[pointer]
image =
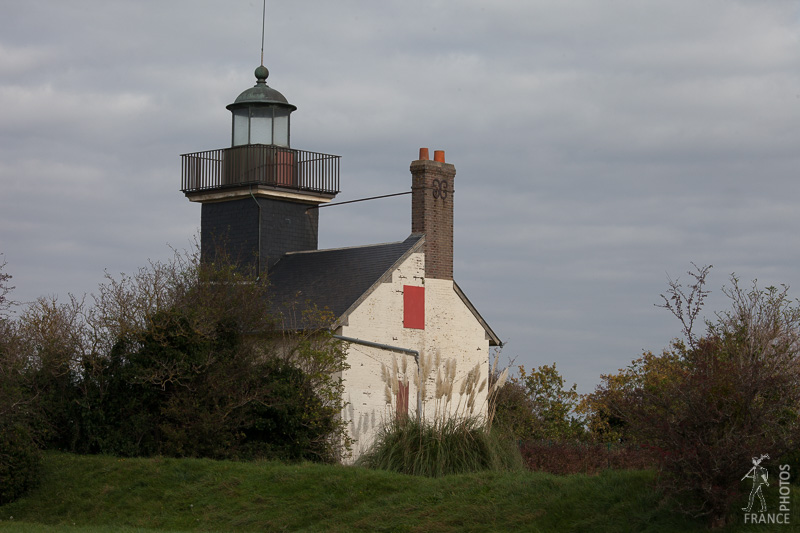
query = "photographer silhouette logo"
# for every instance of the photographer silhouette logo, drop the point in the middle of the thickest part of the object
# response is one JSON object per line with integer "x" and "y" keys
{"x": 760, "y": 476}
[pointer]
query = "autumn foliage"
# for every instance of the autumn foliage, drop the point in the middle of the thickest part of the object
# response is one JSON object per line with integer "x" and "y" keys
{"x": 712, "y": 401}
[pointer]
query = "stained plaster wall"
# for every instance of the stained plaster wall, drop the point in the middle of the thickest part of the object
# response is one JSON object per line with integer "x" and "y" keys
{"x": 451, "y": 330}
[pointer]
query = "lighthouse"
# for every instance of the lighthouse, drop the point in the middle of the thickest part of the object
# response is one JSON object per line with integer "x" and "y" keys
{"x": 256, "y": 194}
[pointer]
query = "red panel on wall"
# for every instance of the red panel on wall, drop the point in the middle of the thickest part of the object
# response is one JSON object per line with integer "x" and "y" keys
{"x": 413, "y": 307}
{"x": 402, "y": 400}
{"x": 284, "y": 168}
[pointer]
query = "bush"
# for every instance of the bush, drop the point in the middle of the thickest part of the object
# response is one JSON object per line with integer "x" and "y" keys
{"x": 19, "y": 452}
{"x": 20, "y": 459}
{"x": 184, "y": 389}
{"x": 296, "y": 424}
{"x": 551, "y": 407}
{"x": 572, "y": 457}
{"x": 513, "y": 410}
{"x": 53, "y": 340}
{"x": 713, "y": 402}
{"x": 181, "y": 359}
{"x": 793, "y": 460}
{"x": 457, "y": 446}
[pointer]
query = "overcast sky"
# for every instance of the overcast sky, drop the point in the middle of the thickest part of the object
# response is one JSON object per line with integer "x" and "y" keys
{"x": 600, "y": 145}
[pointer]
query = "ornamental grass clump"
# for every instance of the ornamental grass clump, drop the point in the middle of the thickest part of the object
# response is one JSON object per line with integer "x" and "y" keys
{"x": 452, "y": 439}
{"x": 458, "y": 446}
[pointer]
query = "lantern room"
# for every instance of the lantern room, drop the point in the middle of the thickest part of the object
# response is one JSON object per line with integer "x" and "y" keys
{"x": 261, "y": 114}
{"x": 260, "y": 161}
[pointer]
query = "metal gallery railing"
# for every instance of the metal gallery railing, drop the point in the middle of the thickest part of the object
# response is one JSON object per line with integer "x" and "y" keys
{"x": 260, "y": 164}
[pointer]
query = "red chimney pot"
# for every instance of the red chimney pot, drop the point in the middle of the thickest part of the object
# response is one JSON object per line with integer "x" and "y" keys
{"x": 423, "y": 154}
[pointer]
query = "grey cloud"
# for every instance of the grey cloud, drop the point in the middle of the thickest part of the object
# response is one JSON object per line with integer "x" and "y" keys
{"x": 598, "y": 145}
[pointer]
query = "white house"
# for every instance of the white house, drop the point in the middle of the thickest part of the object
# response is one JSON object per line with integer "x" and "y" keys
{"x": 396, "y": 303}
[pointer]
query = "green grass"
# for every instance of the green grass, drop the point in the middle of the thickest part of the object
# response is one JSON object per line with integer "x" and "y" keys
{"x": 99, "y": 494}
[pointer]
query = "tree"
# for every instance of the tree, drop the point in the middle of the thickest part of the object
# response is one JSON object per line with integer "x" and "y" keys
{"x": 19, "y": 453}
{"x": 5, "y": 289}
{"x": 537, "y": 406}
{"x": 199, "y": 367}
{"x": 513, "y": 410}
{"x": 713, "y": 401}
{"x": 181, "y": 358}
{"x": 54, "y": 339}
{"x": 553, "y": 405}
{"x": 649, "y": 372}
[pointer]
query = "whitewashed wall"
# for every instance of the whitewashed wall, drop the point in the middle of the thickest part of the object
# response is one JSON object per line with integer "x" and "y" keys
{"x": 450, "y": 329}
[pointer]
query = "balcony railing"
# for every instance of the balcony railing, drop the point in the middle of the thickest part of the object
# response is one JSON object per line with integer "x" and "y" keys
{"x": 260, "y": 164}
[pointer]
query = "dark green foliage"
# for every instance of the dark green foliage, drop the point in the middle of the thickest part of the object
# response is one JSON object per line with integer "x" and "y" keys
{"x": 55, "y": 396}
{"x": 457, "y": 446}
{"x": 553, "y": 405}
{"x": 19, "y": 417}
{"x": 181, "y": 359}
{"x": 20, "y": 459}
{"x": 514, "y": 411}
{"x": 50, "y": 343}
{"x": 19, "y": 452}
{"x": 536, "y": 406}
{"x": 296, "y": 425}
{"x": 792, "y": 459}
{"x": 196, "y": 385}
{"x": 179, "y": 393}
{"x": 114, "y": 413}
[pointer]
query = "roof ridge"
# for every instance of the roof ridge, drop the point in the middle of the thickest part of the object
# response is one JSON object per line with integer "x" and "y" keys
{"x": 350, "y": 247}
{"x": 388, "y": 272}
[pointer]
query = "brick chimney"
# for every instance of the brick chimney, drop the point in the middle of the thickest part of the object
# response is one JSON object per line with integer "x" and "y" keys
{"x": 432, "y": 211}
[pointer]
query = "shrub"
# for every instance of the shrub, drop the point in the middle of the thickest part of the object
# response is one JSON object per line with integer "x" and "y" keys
{"x": 514, "y": 410}
{"x": 573, "y": 457}
{"x": 19, "y": 452}
{"x": 713, "y": 402}
{"x": 296, "y": 424}
{"x": 180, "y": 388}
{"x": 20, "y": 459}
{"x": 552, "y": 406}
{"x": 792, "y": 459}
{"x": 53, "y": 341}
{"x": 181, "y": 359}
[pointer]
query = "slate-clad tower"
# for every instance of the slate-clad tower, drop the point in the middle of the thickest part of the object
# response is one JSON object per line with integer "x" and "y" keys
{"x": 255, "y": 195}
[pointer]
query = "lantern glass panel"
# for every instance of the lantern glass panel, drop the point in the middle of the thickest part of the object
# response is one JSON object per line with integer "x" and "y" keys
{"x": 281, "y": 132}
{"x": 241, "y": 127}
{"x": 261, "y": 125}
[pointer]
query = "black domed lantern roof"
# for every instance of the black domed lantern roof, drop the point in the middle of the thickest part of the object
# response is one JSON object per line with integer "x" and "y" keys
{"x": 261, "y": 114}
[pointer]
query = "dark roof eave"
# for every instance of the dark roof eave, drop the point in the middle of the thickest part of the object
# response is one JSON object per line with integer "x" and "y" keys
{"x": 313, "y": 275}
{"x": 342, "y": 320}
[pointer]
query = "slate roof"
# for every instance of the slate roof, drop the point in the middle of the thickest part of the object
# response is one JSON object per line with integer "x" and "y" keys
{"x": 336, "y": 278}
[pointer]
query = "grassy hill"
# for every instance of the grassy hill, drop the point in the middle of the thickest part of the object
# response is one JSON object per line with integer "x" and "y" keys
{"x": 97, "y": 494}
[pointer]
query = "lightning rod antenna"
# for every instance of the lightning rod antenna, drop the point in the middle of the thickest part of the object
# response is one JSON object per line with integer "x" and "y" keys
{"x": 263, "y": 23}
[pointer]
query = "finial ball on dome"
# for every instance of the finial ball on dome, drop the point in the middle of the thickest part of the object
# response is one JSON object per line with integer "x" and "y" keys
{"x": 262, "y": 73}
